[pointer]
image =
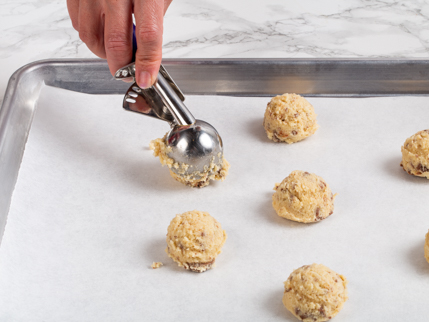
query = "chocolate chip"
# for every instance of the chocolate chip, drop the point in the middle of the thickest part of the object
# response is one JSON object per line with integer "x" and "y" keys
{"x": 322, "y": 311}
{"x": 296, "y": 114}
{"x": 294, "y": 132}
{"x": 422, "y": 168}
{"x": 199, "y": 267}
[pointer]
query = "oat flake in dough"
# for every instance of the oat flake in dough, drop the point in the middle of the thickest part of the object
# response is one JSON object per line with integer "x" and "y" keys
{"x": 289, "y": 118}
{"x": 415, "y": 154}
{"x": 194, "y": 239}
{"x": 303, "y": 197}
{"x": 315, "y": 293}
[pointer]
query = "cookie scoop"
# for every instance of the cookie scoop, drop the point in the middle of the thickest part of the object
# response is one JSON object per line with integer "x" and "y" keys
{"x": 194, "y": 145}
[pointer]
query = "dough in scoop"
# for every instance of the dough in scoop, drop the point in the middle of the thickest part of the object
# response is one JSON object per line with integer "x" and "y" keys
{"x": 289, "y": 118}
{"x": 197, "y": 179}
{"x": 315, "y": 293}
{"x": 194, "y": 239}
{"x": 303, "y": 197}
{"x": 415, "y": 154}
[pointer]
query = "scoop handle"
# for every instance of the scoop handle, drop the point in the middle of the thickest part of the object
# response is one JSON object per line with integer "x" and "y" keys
{"x": 170, "y": 94}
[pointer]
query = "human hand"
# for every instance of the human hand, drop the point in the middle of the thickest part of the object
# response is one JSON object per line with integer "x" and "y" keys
{"x": 106, "y": 27}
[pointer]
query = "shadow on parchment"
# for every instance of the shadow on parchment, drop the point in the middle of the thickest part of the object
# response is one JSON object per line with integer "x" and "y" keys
{"x": 150, "y": 175}
{"x": 275, "y": 307}
{"x": 416, "y": 257}
{"x": 392, "y": 167}
{"x": 64, "y": 129}
{"x": 255, "y": 129}
{"x": 155, "y": 251}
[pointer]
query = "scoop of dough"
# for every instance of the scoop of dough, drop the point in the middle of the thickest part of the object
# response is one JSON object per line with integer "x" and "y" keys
{"x": 315, "y": 293}
{"x": 197, "y": 179}
{"x": 303, "y": 197}
{"x": 427, "y": 247}
{"x": 289, "y": 118}
{"x": 415, "y": 154}
{"x": 194, "y": 239}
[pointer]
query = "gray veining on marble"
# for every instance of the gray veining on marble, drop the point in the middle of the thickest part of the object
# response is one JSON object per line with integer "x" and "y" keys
{"x": 38, "y": 29}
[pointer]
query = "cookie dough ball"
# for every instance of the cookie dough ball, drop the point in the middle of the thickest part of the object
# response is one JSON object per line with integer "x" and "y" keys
{"x": 197, "y": 179}
{"x": 194, "y": 239}
{"x": 415, "y": 154}
{"x": 303, "y": 197}
{"x": 427, "y": 247}
{"x": 315, "y": 293}
{"x": 289, "y": 118}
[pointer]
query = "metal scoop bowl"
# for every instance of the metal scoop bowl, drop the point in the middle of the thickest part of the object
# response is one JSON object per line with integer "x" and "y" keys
{"x": 192, "y": 142}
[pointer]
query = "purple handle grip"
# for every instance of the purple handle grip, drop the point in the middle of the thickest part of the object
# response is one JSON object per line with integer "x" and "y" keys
{"x": 134, "y": 43}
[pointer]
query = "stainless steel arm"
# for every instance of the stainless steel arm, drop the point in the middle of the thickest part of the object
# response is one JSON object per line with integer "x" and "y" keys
{"x": 163, "y": 100}
{"x": 172, "y": 101}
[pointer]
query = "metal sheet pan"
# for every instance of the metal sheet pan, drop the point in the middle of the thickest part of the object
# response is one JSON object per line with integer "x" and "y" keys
{"x": 384, "y": 250}
{"x": 238, "y": 77}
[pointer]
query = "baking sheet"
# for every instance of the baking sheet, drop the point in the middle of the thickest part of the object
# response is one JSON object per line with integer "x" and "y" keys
{"x": 91, "y": 208}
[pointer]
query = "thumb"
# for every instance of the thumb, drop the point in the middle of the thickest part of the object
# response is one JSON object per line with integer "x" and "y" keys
{"x": 149, "y": 19}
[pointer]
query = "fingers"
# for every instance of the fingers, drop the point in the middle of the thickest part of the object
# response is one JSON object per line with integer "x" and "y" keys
{"x": 91, "y": 26}
{"x": 166, "y": 5}
{"x": 118, "y": 34}
{"x": 73, "y": 9}
{"x": 149, "y": 18}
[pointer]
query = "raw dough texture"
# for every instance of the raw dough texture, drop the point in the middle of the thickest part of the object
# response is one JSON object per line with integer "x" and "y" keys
{"x": 289, "y": 118}
{"x": 156, "y": 265}
{"x": 427, "y": 247}
{"x": 194, "y": 239}
{"x": 315, "y": 293}
{"x": 415, "y": 154}
{"x": 303, "y": 197}
{"x": 161, "y": 150}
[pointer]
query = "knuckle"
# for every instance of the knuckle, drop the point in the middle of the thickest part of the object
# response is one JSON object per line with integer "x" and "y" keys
{"x": 75, "y": 24}
{"x": 150, "y": 34}
{"x": 148, "y": 59}
{"x": 117, "y": 42}
{"x": 91, "y": 39}
{"x": 86, "y": 36}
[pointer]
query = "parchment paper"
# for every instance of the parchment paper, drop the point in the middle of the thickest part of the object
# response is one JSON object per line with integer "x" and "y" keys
{"x": 91, "y": 208}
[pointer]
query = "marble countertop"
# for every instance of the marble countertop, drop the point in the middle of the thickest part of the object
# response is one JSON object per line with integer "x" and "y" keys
{"x": 31, "y": 30}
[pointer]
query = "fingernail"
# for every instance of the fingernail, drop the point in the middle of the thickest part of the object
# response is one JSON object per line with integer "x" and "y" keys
{"x": 144, "y": 80}
{"x": 128, "y": 80}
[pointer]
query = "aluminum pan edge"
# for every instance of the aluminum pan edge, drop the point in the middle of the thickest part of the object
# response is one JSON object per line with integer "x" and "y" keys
{"x": 240, "y": 77}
